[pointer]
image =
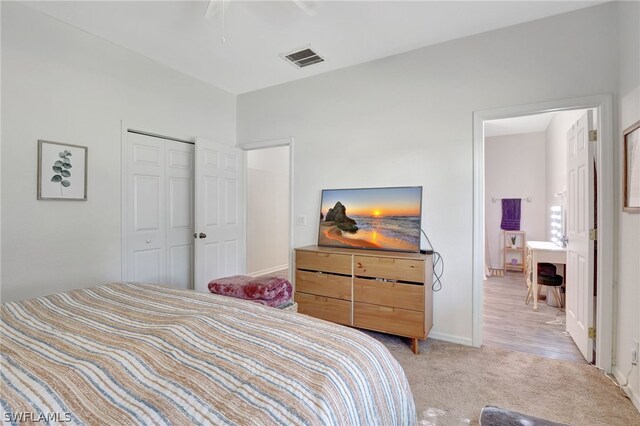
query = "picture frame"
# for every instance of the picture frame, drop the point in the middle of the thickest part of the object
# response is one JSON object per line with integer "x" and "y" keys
{"x": 62, "y": 171}
{"x": 631, "y": 165}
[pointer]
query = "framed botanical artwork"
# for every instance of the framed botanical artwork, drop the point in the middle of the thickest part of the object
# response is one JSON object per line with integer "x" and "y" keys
{"x": 62, "y": 171}
{"x": 631, "y": 195}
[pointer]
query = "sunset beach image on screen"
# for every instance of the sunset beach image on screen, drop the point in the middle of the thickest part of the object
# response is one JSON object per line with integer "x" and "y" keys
{"x": 371, "y": 218}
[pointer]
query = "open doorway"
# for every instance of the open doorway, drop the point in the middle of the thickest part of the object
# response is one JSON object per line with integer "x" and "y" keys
{"x": 268, "y": 220}
{"x": 591, "y": 325}
{"x": 526, "y": 211}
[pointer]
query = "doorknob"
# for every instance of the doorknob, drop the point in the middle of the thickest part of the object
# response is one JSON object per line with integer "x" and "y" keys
{"x": 202, "y": 235}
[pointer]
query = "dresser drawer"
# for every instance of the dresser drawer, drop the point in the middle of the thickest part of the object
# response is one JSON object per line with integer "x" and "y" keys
{"x": 397, "y": 295}
{"x": 325, "y": 262}
{"x": 389, "y": 268}
{"x": 397, "y": 321}
{"x": 325, "y": 308}
{"x": 324, "y": 284}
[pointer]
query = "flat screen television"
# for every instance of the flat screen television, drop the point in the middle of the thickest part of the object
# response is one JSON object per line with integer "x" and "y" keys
{"x": 371, "y": 218}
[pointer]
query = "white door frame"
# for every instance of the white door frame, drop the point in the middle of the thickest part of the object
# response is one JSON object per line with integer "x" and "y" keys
{"x": 604, "y": 151}
{"x": 125, "y": 127}
{"x": 270, "y": 143}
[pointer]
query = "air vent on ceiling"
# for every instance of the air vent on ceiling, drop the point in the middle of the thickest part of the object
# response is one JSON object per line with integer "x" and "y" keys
{"x": 302, "y": 57}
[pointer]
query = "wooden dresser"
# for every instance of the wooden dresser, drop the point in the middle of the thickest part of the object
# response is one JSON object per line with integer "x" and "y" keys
{"x": 383, "y": 291}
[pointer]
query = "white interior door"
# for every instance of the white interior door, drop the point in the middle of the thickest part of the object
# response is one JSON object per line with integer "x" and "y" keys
{"x": 219, "y": 247}
{"x": 580, "y": 220}
{"x": 179, "y": 213}
{"x": 159, "y": 211}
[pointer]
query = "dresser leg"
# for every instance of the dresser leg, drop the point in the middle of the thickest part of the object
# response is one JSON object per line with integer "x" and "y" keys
{"x": 415, "y": 347}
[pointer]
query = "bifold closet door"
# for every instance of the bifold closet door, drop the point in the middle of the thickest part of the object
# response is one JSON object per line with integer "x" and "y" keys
{"x": 159, "y": 211}
{"x": 179, "y": 214}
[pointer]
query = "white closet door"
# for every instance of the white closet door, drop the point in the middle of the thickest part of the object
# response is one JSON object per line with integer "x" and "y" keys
{"x": 179, "y": 214}
{"x": 219, "y": 247}
{"x": 159, "y": 211}
{"x": 145, "y": 210}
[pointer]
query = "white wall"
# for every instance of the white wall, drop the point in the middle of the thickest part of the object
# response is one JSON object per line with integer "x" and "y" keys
{"x": 628, "y": 247}
{"x": 407, "y": 120}
{"x": 62, "y": 84}
{"x": 556, "y": 159}
{"x": 267, "y": 210}
{"x": 514, "y": 168}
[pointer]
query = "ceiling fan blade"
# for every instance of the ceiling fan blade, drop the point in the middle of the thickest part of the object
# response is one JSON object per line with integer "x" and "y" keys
{"x": 215, "y": 7}
{"x": 310, "y": 7}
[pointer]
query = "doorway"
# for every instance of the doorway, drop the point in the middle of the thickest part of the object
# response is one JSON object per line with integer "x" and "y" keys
{"x": 602, "y": 307}
{"x": 268, "y": 218}
{"x": 525, "y": 206}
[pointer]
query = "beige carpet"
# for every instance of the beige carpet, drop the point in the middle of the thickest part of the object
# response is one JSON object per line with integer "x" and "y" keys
{"x": 451, "y": 383}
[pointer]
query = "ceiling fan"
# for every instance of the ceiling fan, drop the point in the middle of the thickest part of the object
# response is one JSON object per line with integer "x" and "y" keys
{"x": 215, "y": 7}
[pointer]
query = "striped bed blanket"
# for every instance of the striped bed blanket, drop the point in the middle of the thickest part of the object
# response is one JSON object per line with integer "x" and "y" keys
{"x": 130, "y": 353}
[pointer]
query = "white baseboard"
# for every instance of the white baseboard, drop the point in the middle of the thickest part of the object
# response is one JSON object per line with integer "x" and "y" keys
{"x": 268, "y": 270}
{"x": 631, "y": 393}
{"x": 467, "y": 341}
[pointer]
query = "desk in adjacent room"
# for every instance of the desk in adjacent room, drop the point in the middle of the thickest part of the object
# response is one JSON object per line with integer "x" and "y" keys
{"x": 537, "y": 252}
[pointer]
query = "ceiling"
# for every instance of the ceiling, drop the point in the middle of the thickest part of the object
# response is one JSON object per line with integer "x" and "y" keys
{"x": 345, "y": 33}
{"x": 518, "y": 125}
{"x": 526, "y": 124}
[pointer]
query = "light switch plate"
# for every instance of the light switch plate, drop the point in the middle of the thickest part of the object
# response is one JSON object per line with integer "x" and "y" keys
{"x": 301, "y": 220}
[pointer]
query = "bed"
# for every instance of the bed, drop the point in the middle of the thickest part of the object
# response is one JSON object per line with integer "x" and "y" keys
{"x": 130, "y": 353}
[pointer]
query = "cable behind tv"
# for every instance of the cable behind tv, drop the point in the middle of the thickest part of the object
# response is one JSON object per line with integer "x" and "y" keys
{"x": 438, "y": 265}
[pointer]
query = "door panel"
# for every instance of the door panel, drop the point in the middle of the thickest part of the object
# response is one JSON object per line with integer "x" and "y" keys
{"x": 211, "y": 157}
{"x": 179, "y": 158}
{"x": 217, "y": 187}
{"x": 180, "y": 203}
{"x": 145, "y": 213}
{"x": 580, "y": 248}
{"x": 212, "y": 191}
{"x": 147, "y": 196}
{"x": 231, "y": 162}
{"x": 231, "y": 194}
{"x": 180, "y": 263}
{"x": 146, "y": 152}
{"x": 180, "y": 221}
{"x": 231, "y": 257}
{"x": 583, "y": 197}
{"x": 147, "y": 266}
{"x": 211, "y": 260}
